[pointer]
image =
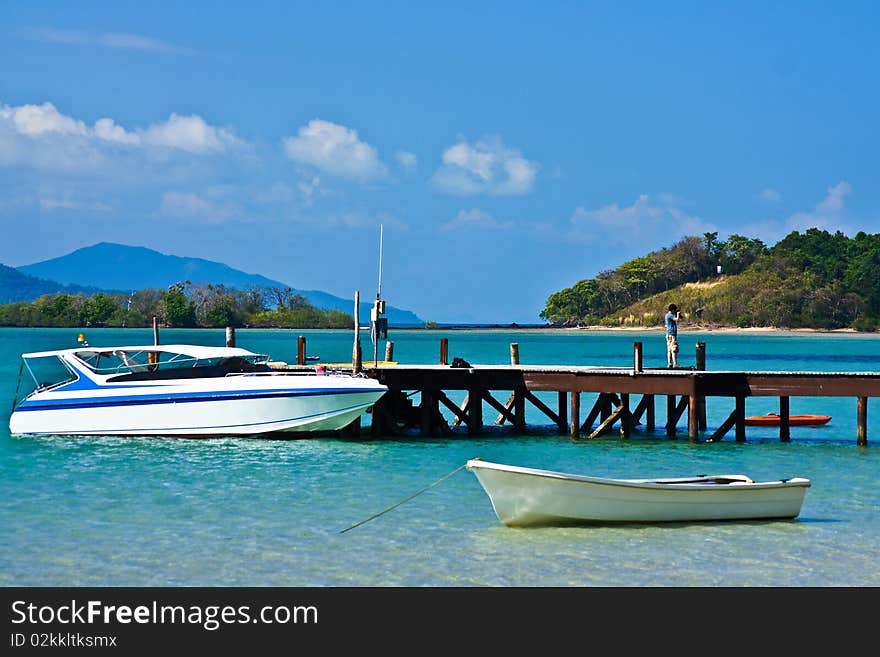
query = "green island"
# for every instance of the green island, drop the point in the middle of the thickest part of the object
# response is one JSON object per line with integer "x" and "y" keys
{"x": 810, "y": 280}
{"x": 182, "y": 305}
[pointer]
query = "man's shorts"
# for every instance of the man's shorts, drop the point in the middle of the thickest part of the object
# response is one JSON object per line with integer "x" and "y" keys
{"x": 672, "y": 343}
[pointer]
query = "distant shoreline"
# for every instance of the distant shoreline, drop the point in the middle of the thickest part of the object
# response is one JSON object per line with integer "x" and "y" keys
{"x": 683, "y": 328}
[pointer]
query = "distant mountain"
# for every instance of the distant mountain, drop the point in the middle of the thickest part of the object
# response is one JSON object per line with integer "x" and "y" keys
{"x": 18, "y": 286}
{"x": 136, "y": 267}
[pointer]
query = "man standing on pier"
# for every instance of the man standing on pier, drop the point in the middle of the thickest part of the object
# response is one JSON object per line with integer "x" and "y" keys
{"x": 672, "y": 318}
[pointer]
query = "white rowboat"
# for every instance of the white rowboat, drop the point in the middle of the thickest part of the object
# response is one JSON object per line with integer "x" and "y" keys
{"x": 525, "y": 497}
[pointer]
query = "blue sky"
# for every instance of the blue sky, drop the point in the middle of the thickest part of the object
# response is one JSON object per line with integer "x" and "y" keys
{"x": 509, "y": 149}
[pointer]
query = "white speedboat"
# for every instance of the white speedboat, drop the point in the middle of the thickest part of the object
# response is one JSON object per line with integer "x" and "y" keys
{"x": 526, "y": 496}
{"x": 181, "y": 390}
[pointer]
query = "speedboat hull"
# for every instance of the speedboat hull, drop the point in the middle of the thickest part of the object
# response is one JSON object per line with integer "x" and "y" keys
{"x": 190, "y": 401}
{"x": 524, "y": 497}
{"x": 246, "y": 413}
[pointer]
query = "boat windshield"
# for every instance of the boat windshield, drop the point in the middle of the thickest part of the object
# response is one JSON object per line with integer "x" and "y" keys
{"x": 48, "y": 371}
{"x": 123, "y": 361}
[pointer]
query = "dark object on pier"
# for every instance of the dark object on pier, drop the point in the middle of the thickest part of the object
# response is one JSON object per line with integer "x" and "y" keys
{"x": 459, "y": 362}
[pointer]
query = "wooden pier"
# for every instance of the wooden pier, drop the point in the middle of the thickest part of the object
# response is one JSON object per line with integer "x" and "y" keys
{"x": 622, "y": 397}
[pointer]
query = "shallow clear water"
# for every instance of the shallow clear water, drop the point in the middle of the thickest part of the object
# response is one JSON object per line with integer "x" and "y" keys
{"x": 244, "y": 512}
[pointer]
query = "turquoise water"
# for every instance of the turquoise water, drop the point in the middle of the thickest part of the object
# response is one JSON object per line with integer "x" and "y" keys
{"x": 244, "y": 512}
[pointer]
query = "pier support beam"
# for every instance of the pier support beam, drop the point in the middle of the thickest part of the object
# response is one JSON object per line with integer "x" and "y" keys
{"x": 475, "y": 411}
{"x": 784, "y": 424}
{"x": 701, "y": 401}
{"x": 562, "y": 399}
{"x": 693, "y": 418}
{"x": 575, "y": 415}
{"x": 740, "y": 419}
{"x": 862, "y": 422}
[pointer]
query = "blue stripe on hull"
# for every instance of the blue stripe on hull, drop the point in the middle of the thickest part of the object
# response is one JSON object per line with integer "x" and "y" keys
{"x": 184, "y": 398}
{"x": 219, "y": 427}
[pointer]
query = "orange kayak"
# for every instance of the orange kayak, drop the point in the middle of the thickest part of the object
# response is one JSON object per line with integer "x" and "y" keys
{"x": 772, "y": 420}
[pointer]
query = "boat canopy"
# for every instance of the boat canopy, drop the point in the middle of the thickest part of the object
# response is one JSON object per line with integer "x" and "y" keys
{"x": 192, "y": 351}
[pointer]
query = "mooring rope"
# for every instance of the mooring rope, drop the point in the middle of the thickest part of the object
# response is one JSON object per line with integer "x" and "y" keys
{"x": 390, "y": 508}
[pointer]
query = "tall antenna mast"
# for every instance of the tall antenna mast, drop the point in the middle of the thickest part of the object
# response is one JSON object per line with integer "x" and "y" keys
{"x": 379, "y": 293}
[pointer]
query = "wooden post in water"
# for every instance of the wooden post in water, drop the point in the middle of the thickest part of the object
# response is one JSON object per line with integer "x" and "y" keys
{"x": 574, "y": 420}
{"x": 301, "y": 350}
{"x": 784, "y": 425}
{"x": 514, "y": 353}
{"x": 444, "y": 351}
{"x": 740, "y": 419}
{"x": 862, "y": 423}
{"x": 356, "y": 347}
{"x": 701, "y": 401}
{"x": 670, "y": 415}
{"x": 475, "y": 411}
{"x": 693, "y": 419}
{"x": 155, "y": 330}
{"x": 637, "y": 357}
{"x": 563, "y": 410}
{"x": 625, "y": 416}
{"x": 230, "y": 336}
{"x": 389, "y": 351}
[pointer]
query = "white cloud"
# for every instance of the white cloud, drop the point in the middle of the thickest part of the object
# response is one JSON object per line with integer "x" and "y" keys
{"x": 486, "y": 167}
{"x": 475, "y": 218}
{"x": 334, "y": 149}
{"x": 33, "y": 120}
{"x": 117, "y": 40}
{"x": 189, "y": 133}
{"x": 108, "y": 130}
{"x": 829, "y": 214}
{"x": 42, "y": 137}
{"x": 407, "y": 160}
{"x": 642, "y": 221}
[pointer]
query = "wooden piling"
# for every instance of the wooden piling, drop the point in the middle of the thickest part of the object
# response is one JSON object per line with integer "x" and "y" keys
{"x": 475, "y": 411}
{"x": 862, "y": 422}
{"x": 740, "y": 419}
{"x": 444, "y": 351}
{"x": 575, "y": 415}
{"x": 649, "y": 413}
{"x": 562, "y": 405}
{"x": 155, "y": 330}
{"x": 784, "y": 423}
{"x": 514, "y": 353}
{"x": 693, "y": 419}
{"x": 701, "y": 401}
{"x": 625, "y": 421}
{"x": 637, "y": 357}
{"x": 301, "y": 350}
{"x": 389, "y": 351}
{"x": 230, "y": 336}
{"x": 671, "y": 417}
